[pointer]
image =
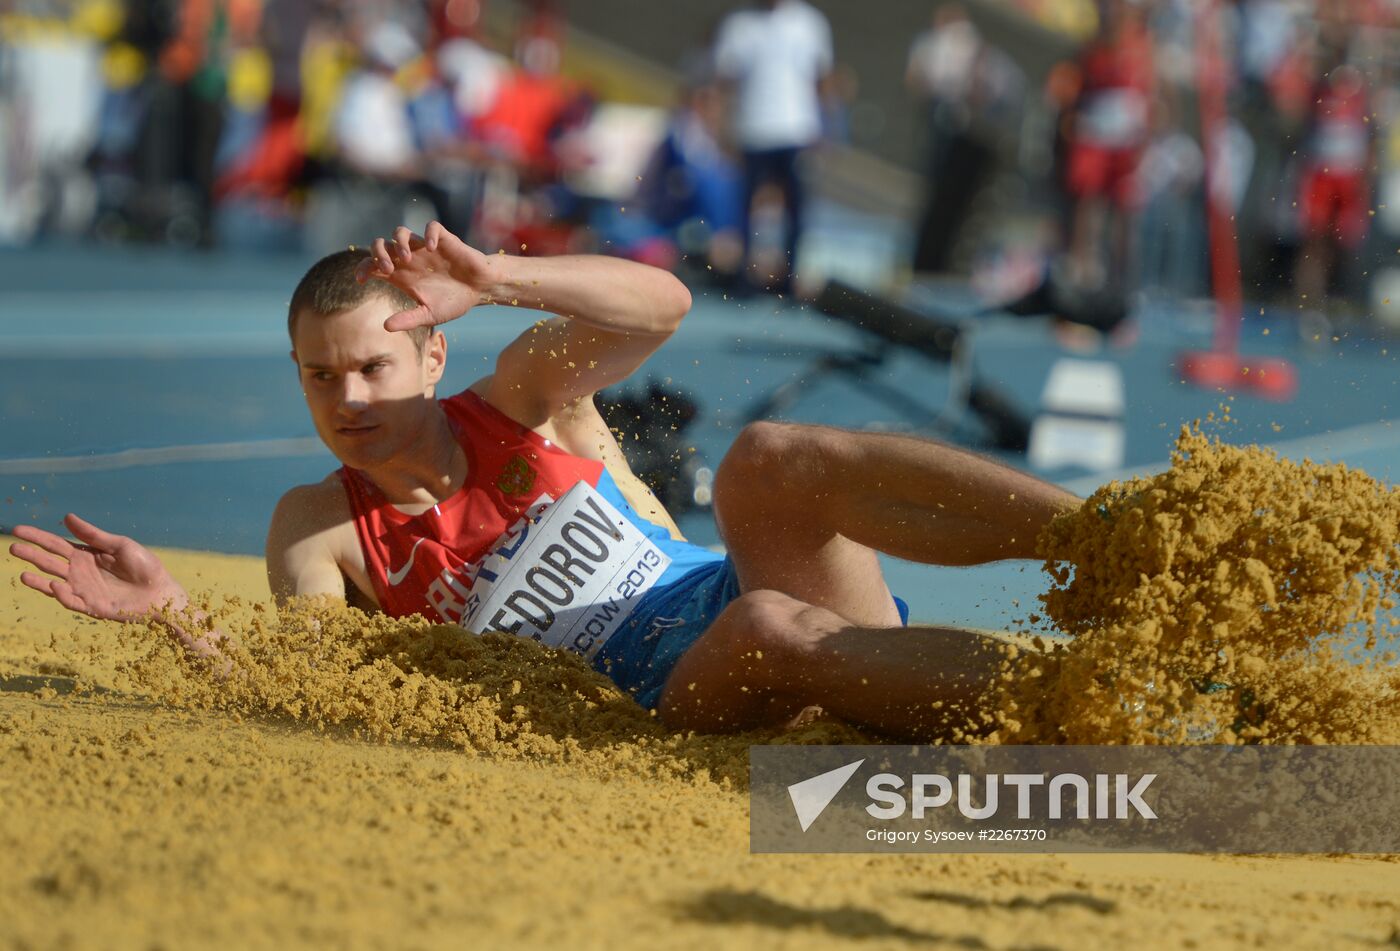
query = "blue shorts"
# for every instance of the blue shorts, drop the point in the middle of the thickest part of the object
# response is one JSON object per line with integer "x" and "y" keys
{"x": 664, "y": 625}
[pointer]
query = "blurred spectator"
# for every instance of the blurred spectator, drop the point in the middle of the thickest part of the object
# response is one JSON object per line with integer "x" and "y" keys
{"x": 941, "y": 64}
{"x": 1267, "y": 35}
{"x": 328, "y": 59}
{"x": 942, "y": 71}
{"x": 972, "y": 95}
{"x": 372, "y": 126}
{"x": 525, "y": 135}
{"x": 187, "y": 116}
{"x": 1172, "y": 25}
{"x": 1171, "y": 234}
{"x": 539, "y": 41}
{"x": 692, "y": 190}
{"x": 282, "y": 33}
{"x": 1058, "y": 96}
{"x": 398, "y": 124}
{"x": 1109, "y": 133}
{"x": 1274, "y": 85}
{"x": 526, "y": 116}
{"x": 838, "y": 94}
{"x": 473, "y": 73}
{"x": 1334, "y": 194}
{"x": 452, "y": 20}
{"x": 260, "y": 156}
{"x": 775, "y": 55}
{"x": 166, "y": 75}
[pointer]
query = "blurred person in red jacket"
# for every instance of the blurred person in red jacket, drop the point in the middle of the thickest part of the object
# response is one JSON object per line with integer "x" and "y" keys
{"x": 1107, "y": 136}
{"x": 1334, "y": 190}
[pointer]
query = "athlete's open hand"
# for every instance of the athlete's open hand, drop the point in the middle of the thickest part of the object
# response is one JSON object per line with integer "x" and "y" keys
{"x": 442, "y": 272}
{"x": 105, "y": 576}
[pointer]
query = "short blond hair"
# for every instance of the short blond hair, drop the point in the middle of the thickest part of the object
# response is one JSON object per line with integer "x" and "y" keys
{"x": 330, "y": 288}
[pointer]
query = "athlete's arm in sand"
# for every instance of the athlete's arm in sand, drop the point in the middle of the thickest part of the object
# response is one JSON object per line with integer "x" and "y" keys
{"x": 300, "y": 562}
{"x": 613, "y": 314}
{"x": 312, "y": 549}
{"x": 110, "y": 578}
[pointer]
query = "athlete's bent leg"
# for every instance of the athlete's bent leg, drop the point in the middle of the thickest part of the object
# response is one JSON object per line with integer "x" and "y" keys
{"x": 802, "y": 509}
{"x": 768, "y": 656}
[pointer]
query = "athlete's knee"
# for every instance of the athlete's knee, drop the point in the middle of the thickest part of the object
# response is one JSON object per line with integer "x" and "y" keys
{"x": 758, "y": 446}
{"x": 762, "y": 633}
{"x": 756, "y": 620}
{"x": 765, "y": 463}
{"x": 729, "y": 679}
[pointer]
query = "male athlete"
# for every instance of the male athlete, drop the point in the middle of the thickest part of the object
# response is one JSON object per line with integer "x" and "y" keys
{"x": 797, "y": 614}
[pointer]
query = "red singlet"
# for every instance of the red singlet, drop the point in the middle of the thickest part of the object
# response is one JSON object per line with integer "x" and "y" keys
{"x": 416, "y": 562}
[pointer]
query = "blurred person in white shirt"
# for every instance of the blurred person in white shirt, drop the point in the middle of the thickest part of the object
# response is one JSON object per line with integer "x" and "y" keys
{"x": 775, "y": 56}
{"x": 372, "y": 125}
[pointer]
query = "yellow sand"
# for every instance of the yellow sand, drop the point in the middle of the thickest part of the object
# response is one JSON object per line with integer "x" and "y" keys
{"x": 361, "y": 782}
{"x": 1235, "y": 597}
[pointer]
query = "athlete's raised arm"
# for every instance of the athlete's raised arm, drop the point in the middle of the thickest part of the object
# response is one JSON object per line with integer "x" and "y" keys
{"x": 613, "y": 314}
{"x": 105, "y": 576}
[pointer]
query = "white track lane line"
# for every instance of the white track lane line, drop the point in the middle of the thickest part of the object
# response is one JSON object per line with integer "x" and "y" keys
{"x": 164, "y": 455}
{"x": 1384, "y": 434}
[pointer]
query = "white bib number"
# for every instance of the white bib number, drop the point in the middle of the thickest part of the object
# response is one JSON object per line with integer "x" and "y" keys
{"x": 567, "y": 574}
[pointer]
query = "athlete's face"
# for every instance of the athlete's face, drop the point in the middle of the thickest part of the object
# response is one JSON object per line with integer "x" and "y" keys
{"x": 370, "y": 391}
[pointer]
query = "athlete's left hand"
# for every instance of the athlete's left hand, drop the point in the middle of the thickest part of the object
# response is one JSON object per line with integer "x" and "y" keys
{"x": 445, "y": 275}
{"x": 105, "y": 576}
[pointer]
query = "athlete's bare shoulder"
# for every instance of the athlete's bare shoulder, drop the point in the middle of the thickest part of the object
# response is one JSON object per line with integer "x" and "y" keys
{"x": 311, "y": 541}
{"x": 316, "y": 508}
{"x": 317, "y": 502}
{"x": 577, "y": 427}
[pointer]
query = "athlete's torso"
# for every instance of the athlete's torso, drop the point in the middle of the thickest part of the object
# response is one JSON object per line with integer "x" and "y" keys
{"x": 425, "y": 563}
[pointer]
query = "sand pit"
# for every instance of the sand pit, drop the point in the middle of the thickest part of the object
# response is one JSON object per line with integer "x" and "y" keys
{"x": 365, "y": 782}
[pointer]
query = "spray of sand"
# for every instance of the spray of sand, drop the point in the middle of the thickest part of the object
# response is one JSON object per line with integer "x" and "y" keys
{"x": 332, "y": 667}
{"x": 1235, "y": 598}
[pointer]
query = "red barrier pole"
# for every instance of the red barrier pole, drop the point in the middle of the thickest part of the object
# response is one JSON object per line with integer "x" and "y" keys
{"x": 1224, "y": 242}
{"x": 1222, "y": 367}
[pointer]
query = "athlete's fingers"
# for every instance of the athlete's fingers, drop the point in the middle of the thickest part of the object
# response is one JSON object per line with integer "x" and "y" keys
{"x": 41, "y": 559}
{"x": 403, "y": 237}
{"x": 90, "y": 534}
{"x": 40, "y": 583}
{"x": 48, "y": 541}
{"x": 382, "y": 258}
{"x": 433, "y": 234}
{"x": 64, "y": 595}
{"x": 419, "y": 316}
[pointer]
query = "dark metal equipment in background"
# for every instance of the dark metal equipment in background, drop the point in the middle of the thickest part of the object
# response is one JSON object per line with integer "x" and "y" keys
{"x": 1101, "y": 309}
{"x": 892, "y": 326}
{"x": 650, "y": 427}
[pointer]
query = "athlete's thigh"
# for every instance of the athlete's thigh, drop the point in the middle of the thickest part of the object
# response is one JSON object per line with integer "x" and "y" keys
{"x": 777, "y": 525}
{"x": 832, "y": 572}
{"x": 720, "y": 684}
